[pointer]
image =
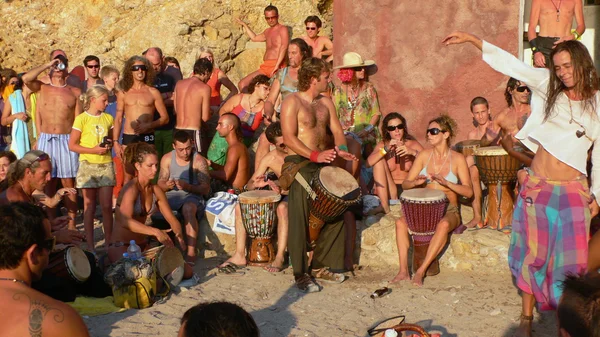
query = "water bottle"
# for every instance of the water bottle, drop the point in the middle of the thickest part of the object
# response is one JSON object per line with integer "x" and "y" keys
{"x": 390, "y": 333}
{"x": 125, "y": 256}
{"x": 134, "y": 251}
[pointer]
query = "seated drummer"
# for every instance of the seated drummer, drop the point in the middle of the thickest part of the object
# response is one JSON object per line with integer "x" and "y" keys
{"x": 271, "y": 161}
{"x": 25, "y": 245}
{"x": 139, "y": 199}
{"x": 438, "y": 168}
{"x": 184, "y": 177}
{"x": 236, "y": 171}
{"x": 27, "y": 175}
{"x": 390, "y": 173}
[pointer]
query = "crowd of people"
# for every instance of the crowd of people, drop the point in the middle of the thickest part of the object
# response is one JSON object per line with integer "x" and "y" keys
{"x": 146, "y": 143}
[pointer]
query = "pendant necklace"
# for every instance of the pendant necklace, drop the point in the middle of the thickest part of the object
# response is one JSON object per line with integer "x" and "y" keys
{"x": 578, "y": 133}
{"x": 557, "y": 9}
{"x": 14, "y": 280}
{"x": 443, "y": 163}
{"x": 58, "y": 86}
{"x": 353, "y": 97}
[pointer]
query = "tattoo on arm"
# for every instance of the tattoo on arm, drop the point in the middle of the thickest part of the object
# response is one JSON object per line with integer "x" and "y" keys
{"x": 202, "y": 175}
{"x": 163, "y": 175}
{"x": 37, "y": 312}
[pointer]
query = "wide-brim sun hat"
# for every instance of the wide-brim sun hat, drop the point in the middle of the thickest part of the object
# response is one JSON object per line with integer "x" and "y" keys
{"x": 354, "y": 60}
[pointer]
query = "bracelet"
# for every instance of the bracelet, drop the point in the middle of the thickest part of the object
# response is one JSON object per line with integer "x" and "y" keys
{"x": 343, "y": 148}
{"x": 533, "y": 44}
{"x": 314, "y": 155}
{"x": 383, "y": 152}
{"x": 387, "y": 149}
{"x": 577, "y": 35}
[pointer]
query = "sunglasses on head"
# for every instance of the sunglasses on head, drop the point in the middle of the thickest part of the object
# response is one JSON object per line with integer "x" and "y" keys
{"x": 95, "y": 66}
{"x": 48, "y": 244}
{"x": 42, "y": 157}
{"x": 311, "y": 28}
{"x": 391, "y": 128}
{"x": 434, "y": 131}
{"x": 523, "y": 88}
{"x": 138, "y": 67}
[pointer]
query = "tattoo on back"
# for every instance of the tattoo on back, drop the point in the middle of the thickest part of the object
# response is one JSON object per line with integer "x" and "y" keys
{"x": 37, "y": 312}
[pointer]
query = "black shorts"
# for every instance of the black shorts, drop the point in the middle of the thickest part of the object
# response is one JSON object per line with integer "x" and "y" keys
{"x": 195, "y": 135}
{"x": 145, "y": 138}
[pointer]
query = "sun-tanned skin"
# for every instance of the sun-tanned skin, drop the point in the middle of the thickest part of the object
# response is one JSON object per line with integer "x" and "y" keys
{"x": 57, "y": 106}
{"x": 321, "y": 45}
{"x": 192, "y": 102}
{"x": 237, "y": 165}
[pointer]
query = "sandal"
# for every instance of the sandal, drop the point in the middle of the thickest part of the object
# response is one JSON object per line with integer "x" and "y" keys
{"x": 229, "y": 268}
{"x": 327, "y": 276}
{"x": 307, "y": 284}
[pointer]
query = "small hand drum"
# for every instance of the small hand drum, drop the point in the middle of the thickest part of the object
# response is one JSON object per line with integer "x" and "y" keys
{"x": 70, "y": 264}
{"x": 167, "y": 261}
{"x": 259, "y": 211}
{"x": 468, "y": 147}
{"x": 423, "y": 209}
{"x": 498, "y": 171}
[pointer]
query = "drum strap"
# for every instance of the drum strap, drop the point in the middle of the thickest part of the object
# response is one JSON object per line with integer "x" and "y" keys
{"x": 306, "y": 186}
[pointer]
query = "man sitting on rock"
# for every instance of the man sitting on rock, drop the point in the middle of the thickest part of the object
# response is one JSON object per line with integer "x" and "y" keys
{"x": 184, "y": 177}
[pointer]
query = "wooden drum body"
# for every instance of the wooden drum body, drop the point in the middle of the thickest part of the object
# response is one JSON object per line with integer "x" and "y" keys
{"x": 167, "y": 261}
{"x": 70, "y": 264}
{"x": 498, "y": 171}
{"x": 259, "y": 211}
{"x": 468, "y": 147}
{"x": 423, "y": 209}
{"x": 335, "y": 190}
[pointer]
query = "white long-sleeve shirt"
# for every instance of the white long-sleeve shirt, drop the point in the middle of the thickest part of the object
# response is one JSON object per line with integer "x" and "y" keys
{"x": 556, "y": 134}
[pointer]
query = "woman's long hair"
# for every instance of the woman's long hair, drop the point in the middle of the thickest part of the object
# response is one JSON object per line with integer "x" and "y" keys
{"x": 584, "y": 73}
{"x": 387, "y": 119}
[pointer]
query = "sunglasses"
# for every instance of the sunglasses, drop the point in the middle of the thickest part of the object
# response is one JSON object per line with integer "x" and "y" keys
{"x": 391, "y": 128}
{"x": 93, "y": 66}
{"x": 523, "y": 88}
{"x": 271, "y": 17}
{"x": 42, "y": 157}
{"x": 311, "y": 28}
{"x": 49, "y": 244}
{"x": 138, "y": 67}
{"x": 434, "y": 131}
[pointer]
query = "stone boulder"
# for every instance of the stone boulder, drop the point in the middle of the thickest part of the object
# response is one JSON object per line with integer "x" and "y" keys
{"x": 214, "y": 243}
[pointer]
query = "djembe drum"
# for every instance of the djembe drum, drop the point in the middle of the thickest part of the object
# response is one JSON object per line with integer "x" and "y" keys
{"x": 259, "y": 211}
{"x": 423, "y": 208}
{"x": 335, "y": 191}
{"x": 167, "y": 261}
{"x": 498, "y": 171}
{"x": 468, "y": 147}
{"x": 70, "y": 264}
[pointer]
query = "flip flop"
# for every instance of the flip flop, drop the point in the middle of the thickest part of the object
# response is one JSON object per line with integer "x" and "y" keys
{"x": 273, "y": 269}
{"x": 231, "y": 268}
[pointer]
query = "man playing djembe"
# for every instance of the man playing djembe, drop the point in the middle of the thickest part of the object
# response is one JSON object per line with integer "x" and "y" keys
{"x": 305, "y": 117}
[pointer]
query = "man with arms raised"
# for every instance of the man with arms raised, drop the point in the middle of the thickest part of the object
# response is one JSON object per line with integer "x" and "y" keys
{"x": 25, "y": 245}
{"x": 136, "y": 105}
{"x": 57, "y": 106}
{"x": 305, "y": 118}
{"x": 551, "y": 220}
{"x": 277, "y": 38}
{"x": 322, "y": 47}
{"x": 184, "y": 177}
{"x": 72, "y": 80}
{"x": 271, "y": 161}
{"x": 555, "y": 18}
{"x": 236, "y": 171}
{"x": 192, "y": 102}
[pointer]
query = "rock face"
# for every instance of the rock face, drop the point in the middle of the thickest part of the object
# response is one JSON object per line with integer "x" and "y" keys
{"x": 115, "y": 30}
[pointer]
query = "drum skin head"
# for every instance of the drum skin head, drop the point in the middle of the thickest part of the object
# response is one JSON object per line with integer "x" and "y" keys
{"x": 423, "y": 194}
{"x": 259, "y": 197}
{"x": 491, "y": 151}
{"x": 468, "y": 142}
{"x": 337, "y": 181}
{"x": 78, "y": 263}
{"x": 169, "y": 259}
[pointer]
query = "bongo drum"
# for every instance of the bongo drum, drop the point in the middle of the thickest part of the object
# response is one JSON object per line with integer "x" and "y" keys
{"x": 498, "y": 171}
{"x": 259, "y": 211}
{"x": 468, "y": 147}
{"x": 70, "y": 264}
{"x": 335, "y": 191}
{"x": 167, "y": 261}
{"x": 423, "y": 209}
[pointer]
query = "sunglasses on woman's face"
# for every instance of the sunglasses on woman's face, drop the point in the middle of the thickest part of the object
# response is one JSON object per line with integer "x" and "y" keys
{"x": 434, "y": 131}
{"x": 523, "y": 88}
{"x": 391, "y": 128}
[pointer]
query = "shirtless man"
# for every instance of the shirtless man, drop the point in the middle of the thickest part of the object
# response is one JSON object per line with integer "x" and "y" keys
{"x": 305, "y": 117}
{"x": 555, "y": 19}
{"x": 72, "y": 80}
{"x": 25, "y": 245}
{"x": 322, "y": 47}
{"x": 277, "y": 38}
{"x": 57, "y": 106}
{"x": 136, "y": 104}
{"x": 481, "y": 116}
{"x": 271, "y": 161}
{"x": 92, "y": 68}
{"x": 192, "y": 102}
{"x": 236, "y": 171}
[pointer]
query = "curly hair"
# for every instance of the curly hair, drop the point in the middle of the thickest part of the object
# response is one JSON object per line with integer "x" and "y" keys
{"x": 584, "y": 73}
{"x": 387, "y": 119}
{"x": 311, "y": 68}
{"x": 22, "y": 226}
{"x": 127, "y": 81}
{"x": 260, "y": 79}
{"x": 305, "y": 49}
{"x": 511, "y": 85}
{"x": 448, "y": 124}
{"x": 137, "y": 152}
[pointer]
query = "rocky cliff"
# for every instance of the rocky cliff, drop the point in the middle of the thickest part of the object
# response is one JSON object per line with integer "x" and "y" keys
{"x": 114, "y": 30}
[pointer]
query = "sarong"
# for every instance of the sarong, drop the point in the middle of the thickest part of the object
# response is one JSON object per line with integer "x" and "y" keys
{"x": 550, "y": 232}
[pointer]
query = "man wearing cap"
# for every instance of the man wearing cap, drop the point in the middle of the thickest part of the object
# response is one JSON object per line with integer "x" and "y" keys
{"x": 277, "y": 38}
{"x": 57, "y": 106}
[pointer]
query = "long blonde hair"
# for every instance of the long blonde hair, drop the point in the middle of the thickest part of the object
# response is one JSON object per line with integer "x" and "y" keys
{"x": 93, "y": 92}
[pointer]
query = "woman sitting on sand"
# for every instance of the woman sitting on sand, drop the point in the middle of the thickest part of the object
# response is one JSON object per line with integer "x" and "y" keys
{"x": 399, "y": 149}
{"x": 139, "y": 199}
{"x": 442, "y": 169}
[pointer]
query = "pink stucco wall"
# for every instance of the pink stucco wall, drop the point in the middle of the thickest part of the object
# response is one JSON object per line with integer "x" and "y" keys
{"x": 416, "y": 75}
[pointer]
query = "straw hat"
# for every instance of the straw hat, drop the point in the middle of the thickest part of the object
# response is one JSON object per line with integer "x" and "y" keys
{"x": 353, "y": 60}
